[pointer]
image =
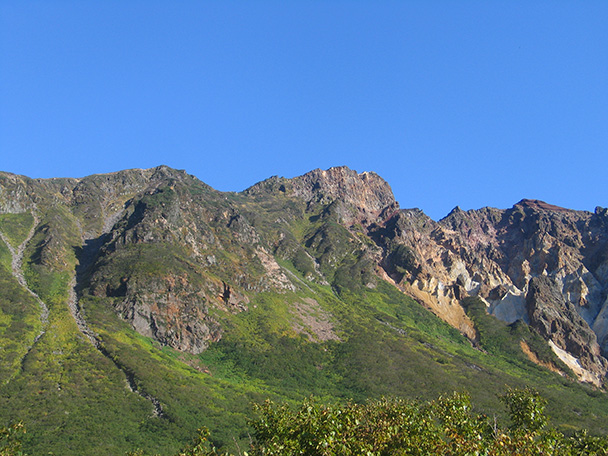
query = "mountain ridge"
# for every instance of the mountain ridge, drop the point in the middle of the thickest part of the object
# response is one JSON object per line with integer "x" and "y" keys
{"x": 363, "y": 199}
{"x": 303, "y": 265}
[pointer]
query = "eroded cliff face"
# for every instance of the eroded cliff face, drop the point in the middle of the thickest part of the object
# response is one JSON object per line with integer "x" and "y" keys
{"x": 168, "y": 309}
{"x": 179, "y": 252}
{"x": 354, "y": 198}
{"x": 558, "y": 321}
{"x": 426, "y": 265}
{"x": 363, "y": 197}
{"x": 498, "y": 255}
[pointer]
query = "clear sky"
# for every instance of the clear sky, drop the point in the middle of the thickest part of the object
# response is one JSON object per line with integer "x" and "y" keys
{"x": 469, "y": 103}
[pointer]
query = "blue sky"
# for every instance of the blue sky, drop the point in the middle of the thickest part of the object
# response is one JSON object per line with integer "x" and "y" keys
{"x": 469, "y": 103}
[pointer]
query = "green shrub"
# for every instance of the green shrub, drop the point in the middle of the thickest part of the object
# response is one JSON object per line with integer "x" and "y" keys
{"x": 10, "y": 439}
{"x": 446, "y": 426}
{"x": 526, "y": 409}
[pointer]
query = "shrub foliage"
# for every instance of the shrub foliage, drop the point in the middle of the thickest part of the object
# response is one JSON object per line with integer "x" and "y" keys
{"x": 395, "y": 427}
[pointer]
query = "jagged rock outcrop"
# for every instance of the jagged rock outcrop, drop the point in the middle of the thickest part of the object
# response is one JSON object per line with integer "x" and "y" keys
{"x": 363, "y": 197}
{"x": 558, "y": 321}
{"x": 495, "y": 254}
{"x": 426, "y": 265}
{"x": 358, "y": 197}
{"x": 167, "y": 309}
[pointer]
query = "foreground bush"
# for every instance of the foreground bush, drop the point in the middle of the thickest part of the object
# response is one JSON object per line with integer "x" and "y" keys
{"x": 446, "y": 426}
{"x": 395, "y": 427}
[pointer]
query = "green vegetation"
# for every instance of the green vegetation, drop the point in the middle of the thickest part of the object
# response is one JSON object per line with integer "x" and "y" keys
{"x": 303, "y": 262}
{"x": 445, "y": 426}
{"x": 189, "y": 397}
{"x": 64, "y": 387}
{"x": 16, "y": 227}
{"x": 448, "y": 425}
{"x": 19, "y": 319}
{"x": 5, "y": 258}
{"x": 10, "y": 439}
{"x": 19, "y": 325}
{"x": 143, "y": 261}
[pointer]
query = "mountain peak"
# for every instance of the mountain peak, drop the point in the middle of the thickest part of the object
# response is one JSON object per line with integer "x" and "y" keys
{"x": 455, "y": 211}
{"x": 366, "y": 194}
{"x": 540, "y": 205}
{"x": 366, "y": 189}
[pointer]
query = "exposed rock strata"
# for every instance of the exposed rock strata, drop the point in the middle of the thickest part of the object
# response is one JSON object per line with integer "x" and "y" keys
{"x": 558, "y": 321}
{"x": 168, "y": 310}
{"x": 496, "y": 254}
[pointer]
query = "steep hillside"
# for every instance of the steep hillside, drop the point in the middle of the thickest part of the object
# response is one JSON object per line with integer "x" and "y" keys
{"x": 144, "y": 304}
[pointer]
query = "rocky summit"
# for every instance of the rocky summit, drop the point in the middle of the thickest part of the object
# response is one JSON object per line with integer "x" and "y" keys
{"x": 152, "y": 279}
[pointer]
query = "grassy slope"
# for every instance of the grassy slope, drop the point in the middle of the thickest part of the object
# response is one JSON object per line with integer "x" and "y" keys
{"x": 73, "y": 399}
{"x": 19, "y": 319}
{"x": 16, "y": 227}
{"x": 260, "y": 356}
{"x": 94, "y": 403}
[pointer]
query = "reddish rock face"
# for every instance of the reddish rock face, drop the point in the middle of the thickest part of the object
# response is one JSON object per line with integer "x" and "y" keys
{"x": 361, "y": 197}
{"x": 538, "y": 204}
{"x": 366, "y": 193}
{"x": 498, "y": 254}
